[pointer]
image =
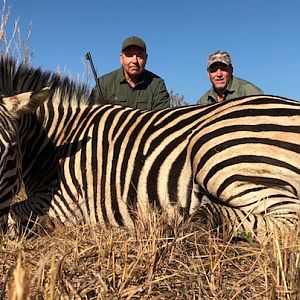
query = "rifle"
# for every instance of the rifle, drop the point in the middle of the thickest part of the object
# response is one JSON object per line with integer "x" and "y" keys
{"x": 88, "y": 56}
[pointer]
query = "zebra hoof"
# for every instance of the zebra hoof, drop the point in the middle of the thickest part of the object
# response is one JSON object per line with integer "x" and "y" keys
{"x": 29, "y": 228}
{"x": 45, "y": 226}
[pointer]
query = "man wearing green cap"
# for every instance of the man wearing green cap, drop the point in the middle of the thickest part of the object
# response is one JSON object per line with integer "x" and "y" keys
{"x": 132, "y": 85}
{"x": 225, "y": 86}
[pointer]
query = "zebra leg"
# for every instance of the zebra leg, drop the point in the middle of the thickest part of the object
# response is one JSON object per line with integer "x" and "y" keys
{"x": 27, "y": 219}
{"x": 239, "y": 224}
{"x": 4, "y": 213}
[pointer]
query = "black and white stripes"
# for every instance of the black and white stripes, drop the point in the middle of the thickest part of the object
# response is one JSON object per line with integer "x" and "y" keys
{"x": 109, "y": 164}
{"x": 11, "y": 109}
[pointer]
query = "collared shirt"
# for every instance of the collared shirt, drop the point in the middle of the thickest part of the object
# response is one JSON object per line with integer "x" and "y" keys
{"x": 150, "y": 93}
{"x": 236, "y": 88}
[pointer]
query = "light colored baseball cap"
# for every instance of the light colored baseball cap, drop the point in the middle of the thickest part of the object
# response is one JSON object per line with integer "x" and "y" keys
{"x": 219, "y": 56}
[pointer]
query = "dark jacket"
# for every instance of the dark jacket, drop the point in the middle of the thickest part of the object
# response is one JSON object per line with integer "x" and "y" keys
{"x": 150, "y": 93}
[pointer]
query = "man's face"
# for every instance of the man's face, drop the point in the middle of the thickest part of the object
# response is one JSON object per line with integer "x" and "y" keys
{"x": 219, "y": 75}
{"x": 133, "y": 60}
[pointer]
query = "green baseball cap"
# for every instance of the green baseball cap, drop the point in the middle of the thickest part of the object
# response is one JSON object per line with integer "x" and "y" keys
{"x": 133, "y": 41}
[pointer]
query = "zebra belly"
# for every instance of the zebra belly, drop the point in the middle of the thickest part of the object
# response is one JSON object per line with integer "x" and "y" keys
{"x": 120, "y": 203}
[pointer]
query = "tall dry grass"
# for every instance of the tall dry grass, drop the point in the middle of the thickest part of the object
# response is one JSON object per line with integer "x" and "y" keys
{"x": 158, "y": 260}
{"x": 12, "y": 39}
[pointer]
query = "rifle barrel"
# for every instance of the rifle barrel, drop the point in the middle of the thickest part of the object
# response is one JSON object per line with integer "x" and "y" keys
{"x": 88, "y": 56}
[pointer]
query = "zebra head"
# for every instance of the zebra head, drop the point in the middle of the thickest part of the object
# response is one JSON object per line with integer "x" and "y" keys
{"x": 11, "y": 109}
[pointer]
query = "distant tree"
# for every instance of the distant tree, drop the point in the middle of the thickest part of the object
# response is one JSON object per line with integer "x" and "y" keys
{"x": 177, "y": 100}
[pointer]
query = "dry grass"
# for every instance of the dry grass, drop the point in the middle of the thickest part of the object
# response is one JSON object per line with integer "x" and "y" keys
{"x": 156, "y": 261}
{"x": 12, "y": 39}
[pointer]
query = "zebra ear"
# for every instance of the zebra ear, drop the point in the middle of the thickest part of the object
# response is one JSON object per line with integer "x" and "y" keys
{"x": 28, "y": 102}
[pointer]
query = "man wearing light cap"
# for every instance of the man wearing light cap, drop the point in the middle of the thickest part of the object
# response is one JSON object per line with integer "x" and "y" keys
{"x": 132, "y": 85}
{"x": 225, "y": 86}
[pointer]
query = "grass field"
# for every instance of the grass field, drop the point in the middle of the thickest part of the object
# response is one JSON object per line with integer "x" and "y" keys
{"x": 158, "y": 260}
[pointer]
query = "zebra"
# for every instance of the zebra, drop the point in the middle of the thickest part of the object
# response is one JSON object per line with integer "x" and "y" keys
{"x": 11, "y": 109}
{"x": 236, "y": 162}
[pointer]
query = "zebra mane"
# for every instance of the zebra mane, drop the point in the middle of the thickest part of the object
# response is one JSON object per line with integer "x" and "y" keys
{"x": 18, "y": 78}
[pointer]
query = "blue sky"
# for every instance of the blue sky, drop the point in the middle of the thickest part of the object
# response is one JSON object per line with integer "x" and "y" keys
{"x": 262, "y": 36}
